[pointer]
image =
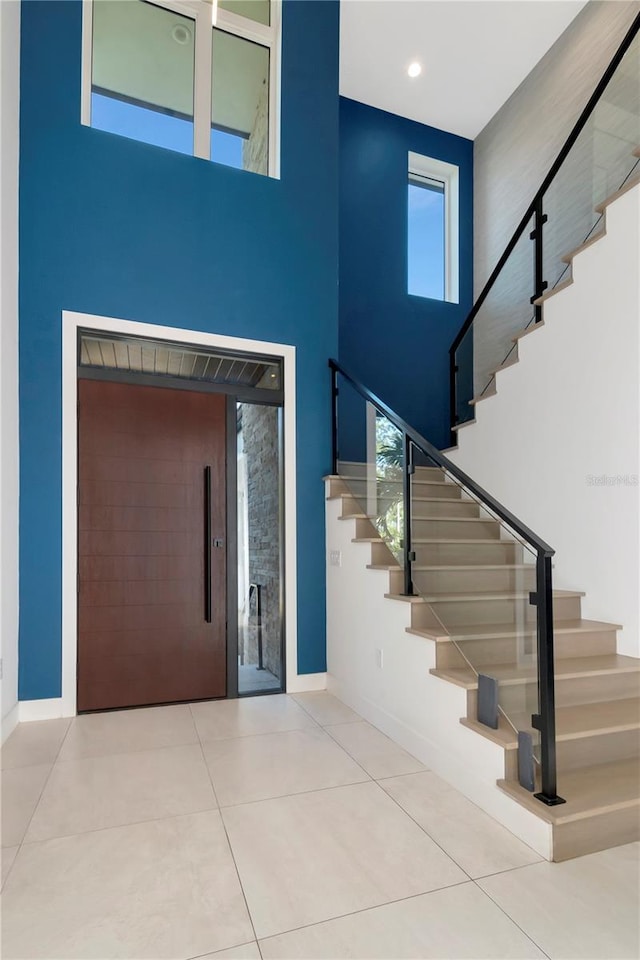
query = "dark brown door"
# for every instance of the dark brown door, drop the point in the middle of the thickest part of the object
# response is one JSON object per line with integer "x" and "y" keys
{"x": 143, "y": 636}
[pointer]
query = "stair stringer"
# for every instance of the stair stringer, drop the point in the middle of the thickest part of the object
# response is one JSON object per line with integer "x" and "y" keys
{"x": 416, "y": 709}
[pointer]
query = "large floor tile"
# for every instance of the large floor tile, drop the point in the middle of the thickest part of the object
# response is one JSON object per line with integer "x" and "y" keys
{"x": 325, "y": 708}
{"x": 310, "y": 857}
{"x": 33, "y": 743}
{"x": 163, "y": 889}
{"x": 473, "y": 839}
{"x": 248, "y": 951}
{"x": 126, "y": 731}
{"x": 379, "y": 755}
{"x": 114, "y": 790}
{"x": 21, "y": 789}
{"x": 7, "y": 857}
{"x": 584, "y": 908}
{"x": 278, "y": 764}
{"x": 248, "y": 716}
{"x": 457, "y": 923}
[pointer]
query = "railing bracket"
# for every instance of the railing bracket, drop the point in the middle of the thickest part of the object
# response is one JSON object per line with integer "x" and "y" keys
{"x": 526, "y": 774}
{"x": 487, "y": 701}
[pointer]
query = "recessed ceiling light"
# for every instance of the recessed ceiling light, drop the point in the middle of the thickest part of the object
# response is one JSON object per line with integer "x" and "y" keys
{"x": 414, "y": 69}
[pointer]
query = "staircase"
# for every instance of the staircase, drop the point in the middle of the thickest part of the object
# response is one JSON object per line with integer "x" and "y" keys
{"x": 471, "y": 591}
{"x": 443, "y": 625}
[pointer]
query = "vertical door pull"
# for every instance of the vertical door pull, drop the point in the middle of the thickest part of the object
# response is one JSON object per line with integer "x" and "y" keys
{"x": 207, "y": 544}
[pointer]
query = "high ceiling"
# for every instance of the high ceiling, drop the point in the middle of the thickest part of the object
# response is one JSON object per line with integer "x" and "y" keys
{"x": 474, "y": 53}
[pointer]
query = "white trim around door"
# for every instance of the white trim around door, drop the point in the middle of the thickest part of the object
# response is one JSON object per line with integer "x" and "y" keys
{"x": 71, "y": 322}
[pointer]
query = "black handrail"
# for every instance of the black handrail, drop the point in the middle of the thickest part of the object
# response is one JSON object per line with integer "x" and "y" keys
{"x": 534, "y": 210}
{"x": 550, "y": 177}
{"x": 544, "y": 720}
{"x": 434, "y": 454}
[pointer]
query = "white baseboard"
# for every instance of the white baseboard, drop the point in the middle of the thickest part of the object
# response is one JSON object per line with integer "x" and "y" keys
{"x": 307, "y": 682}
{"x": 51, "y": 709}
{"x": 10, "y": 721}
{"x": 529, "y": 828}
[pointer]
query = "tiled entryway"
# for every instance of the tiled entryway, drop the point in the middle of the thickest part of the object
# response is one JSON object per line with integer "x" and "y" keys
{"x": 275, "y": 827}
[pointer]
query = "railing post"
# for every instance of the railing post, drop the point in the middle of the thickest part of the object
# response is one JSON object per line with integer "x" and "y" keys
{"x": 453, "y": 388}
{"x": 545, "y": 720}
{"x": 334, "y": 420}
{"x": 539, "y": 283}
{"x": 407, "y": 471}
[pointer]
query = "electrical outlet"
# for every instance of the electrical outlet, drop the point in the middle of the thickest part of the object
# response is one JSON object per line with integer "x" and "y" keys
{"x": 379, "y": 658}
{"x": 335, "y": 558}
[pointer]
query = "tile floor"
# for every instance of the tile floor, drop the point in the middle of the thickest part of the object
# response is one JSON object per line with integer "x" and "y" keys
{"x": 276, "y": 827}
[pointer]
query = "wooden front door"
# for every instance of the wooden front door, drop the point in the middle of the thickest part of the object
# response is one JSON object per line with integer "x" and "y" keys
{"x": 146, "y": 631}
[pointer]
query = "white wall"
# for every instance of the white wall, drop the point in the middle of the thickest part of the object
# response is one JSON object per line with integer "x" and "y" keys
{"x": 568, "y": 412}
{"x": 9, "y": 131}
{"x": 402, "y": 698}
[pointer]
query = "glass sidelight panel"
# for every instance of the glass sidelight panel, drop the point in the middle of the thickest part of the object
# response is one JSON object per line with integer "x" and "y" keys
{"x": 260, "y": 583}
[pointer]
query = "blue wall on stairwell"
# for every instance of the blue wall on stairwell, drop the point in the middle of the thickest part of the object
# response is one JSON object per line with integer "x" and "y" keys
{"x": 395, "y": 343}
{"x": 114, "y": 227}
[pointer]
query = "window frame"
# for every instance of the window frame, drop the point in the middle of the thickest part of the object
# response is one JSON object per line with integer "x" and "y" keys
{"x": 202, "y": 13}
{"x": 428, "y": 168}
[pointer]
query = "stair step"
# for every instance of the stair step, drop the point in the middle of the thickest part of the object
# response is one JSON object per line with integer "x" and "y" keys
{"x": 527, "y": 330}
{"x": 602, "y": 807}
{"x": 514, "y": 674}
{"x": 467, "y": 423}
{"x": 474, "y": 596}
{"x": 569, "y": 257}
{"x": 629, "y": 185}
{"x": 552, "y": 292}
{"x": 488, "y": 631}
{"x": 572, "y": 723}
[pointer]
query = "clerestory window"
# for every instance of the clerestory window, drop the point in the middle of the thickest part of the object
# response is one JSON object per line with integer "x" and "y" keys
{"x": 194, "y": 76}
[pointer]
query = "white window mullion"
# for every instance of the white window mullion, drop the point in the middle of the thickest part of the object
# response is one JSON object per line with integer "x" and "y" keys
{"x": 275, "y": 60}
{"x": 202, "y": 86}
{"x": 87, "y": 61}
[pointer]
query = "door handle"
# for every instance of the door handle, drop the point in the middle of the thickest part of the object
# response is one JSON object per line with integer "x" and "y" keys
{"x": 207, "y": 544}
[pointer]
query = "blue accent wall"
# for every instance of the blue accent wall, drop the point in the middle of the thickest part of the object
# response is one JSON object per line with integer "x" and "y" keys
{"x": 397, "y": 344}
{"x": 114, "y": 227}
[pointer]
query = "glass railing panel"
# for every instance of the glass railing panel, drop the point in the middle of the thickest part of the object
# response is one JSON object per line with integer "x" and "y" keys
{"x": 370, "y": 462}
{"x": 476, "y": 578}
{"x": 506, "y": 311}
{"x": 600, "y": 162}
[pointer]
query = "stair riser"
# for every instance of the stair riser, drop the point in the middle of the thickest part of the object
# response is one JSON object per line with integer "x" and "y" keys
{"x": 381, "y": 555}
{"x": 600, "y": 832}
{"x": 518, "y": 699}
{"x": 393, "y": 488}
{"x": 461, "y": 581}
{"x": 455, "y": 529}
{"x": 483, "y": 653}
{"x": 459, "y": 613}
{"x": 421, "y": 510}
{"x": 428, "y": 583}
{"x": 589, "y": 750}
{"x": 451, "y": 554}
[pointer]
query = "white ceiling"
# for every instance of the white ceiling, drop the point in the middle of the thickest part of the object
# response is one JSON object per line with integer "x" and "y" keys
{"x": 474, "y": 53}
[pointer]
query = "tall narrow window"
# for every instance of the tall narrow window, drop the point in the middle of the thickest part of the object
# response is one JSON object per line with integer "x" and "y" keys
{"x": 432, "y": 229}
{"x": 426, "y": 237}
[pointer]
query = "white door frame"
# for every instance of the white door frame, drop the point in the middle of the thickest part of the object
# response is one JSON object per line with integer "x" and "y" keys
{"x": 71, "y": 322}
